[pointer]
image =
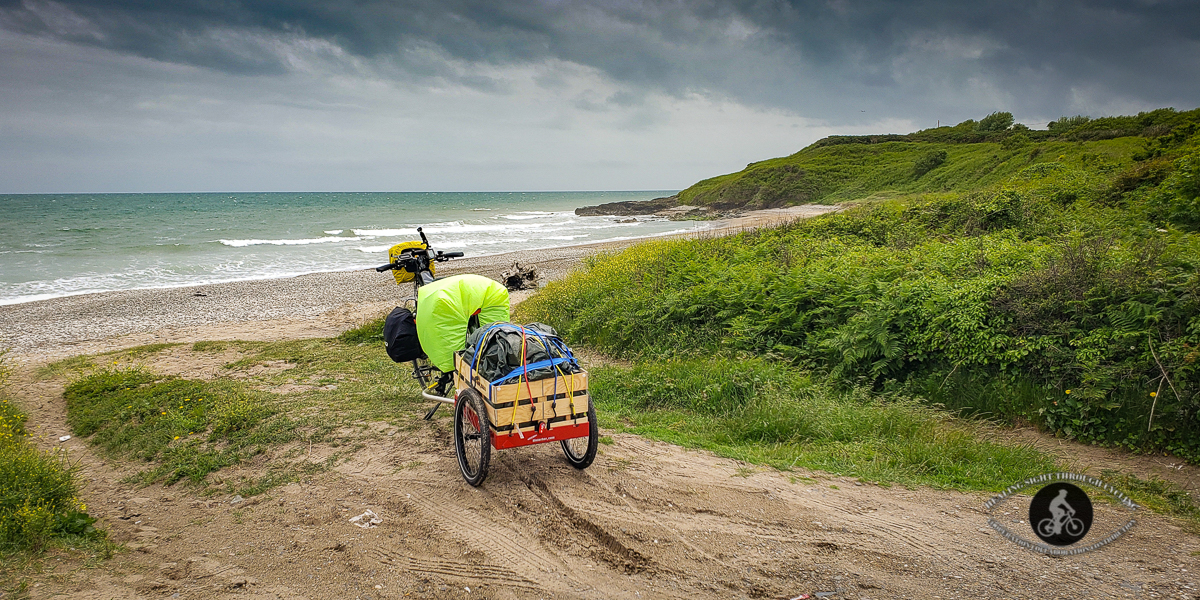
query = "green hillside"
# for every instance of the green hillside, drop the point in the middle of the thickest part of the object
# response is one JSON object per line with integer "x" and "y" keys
{"x": 969, "y": 156}
{"x": 1047, "y": 277}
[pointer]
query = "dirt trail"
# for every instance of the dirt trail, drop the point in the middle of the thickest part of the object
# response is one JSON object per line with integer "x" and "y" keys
{"x": 647, "y": 520}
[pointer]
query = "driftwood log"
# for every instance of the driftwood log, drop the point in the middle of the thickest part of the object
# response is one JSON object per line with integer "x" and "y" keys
{"x": 519, "y": 278}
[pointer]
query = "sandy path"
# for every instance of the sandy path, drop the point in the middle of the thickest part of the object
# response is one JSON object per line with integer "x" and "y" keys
{"x": 647, "y": 520}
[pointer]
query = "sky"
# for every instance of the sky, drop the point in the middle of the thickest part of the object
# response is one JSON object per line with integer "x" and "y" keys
{"x": 495, "y": 95}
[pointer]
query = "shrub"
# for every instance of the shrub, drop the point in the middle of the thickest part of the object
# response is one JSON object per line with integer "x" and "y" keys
{"x": 38, "y": 490}
{"x": 928, "y": 162}
{"x": 38, "y": 498}
{"x": 1142, "y": 173}
{"x": 12, "y": 424}
{"x": 997, "y": 121}
{"x": 1065, "y": 124}
{"x": 1177, "y": 201}
{"x": 1014, "y": 141}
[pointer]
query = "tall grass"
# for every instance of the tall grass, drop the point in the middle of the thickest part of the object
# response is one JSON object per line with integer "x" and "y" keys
{"x": 38, "y": 490}
{"x": 766, "y": 412}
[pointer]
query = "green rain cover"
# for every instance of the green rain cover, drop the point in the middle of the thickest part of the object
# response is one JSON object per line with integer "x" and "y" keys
{"x": 445, "y": 306}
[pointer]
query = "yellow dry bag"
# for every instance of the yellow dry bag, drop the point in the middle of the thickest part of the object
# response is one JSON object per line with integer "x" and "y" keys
{"x": 401, "y": 275}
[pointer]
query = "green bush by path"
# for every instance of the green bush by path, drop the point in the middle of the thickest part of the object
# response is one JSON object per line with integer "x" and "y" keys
{"x": 38, "y": 490}
{"x": 766, "y": 412}
{"x": 997, "y": 121}
{"x": 928, "y": 162}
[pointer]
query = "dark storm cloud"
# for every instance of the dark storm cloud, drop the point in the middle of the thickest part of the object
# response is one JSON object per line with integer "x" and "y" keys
{"x": 1148, "y": 37}
{"x": 829, "y": 59}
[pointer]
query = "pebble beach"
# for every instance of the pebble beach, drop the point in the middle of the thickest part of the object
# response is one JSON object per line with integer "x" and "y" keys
{"x": 312, "y": 305}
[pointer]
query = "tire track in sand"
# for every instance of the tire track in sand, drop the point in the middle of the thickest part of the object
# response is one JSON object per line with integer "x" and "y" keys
{"x": 485, "y": 573}
{"x": 525, "y": 558}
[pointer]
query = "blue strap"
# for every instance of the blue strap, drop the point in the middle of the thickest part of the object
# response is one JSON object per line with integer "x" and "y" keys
{"x": 479, "y": 344}
{"x": 526, "y": 368}
{"x": 556, "y": 342}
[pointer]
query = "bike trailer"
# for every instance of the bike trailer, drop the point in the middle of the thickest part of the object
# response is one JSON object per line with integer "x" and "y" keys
{"x": 526, "y": 412}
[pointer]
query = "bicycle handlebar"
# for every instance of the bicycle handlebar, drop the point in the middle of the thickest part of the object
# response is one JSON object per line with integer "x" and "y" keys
{"x": 415, "y": 260}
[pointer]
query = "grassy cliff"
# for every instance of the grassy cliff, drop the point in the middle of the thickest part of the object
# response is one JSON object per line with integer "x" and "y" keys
{"x": 969, "y": 156}
{"x": 1051, "y": 279}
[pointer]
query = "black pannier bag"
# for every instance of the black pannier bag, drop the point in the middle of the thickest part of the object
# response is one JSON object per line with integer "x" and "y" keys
{"x": 400, "y": 335}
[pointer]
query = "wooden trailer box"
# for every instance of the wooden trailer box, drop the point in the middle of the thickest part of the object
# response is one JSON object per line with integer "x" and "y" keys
{"x": 533, "y": 412}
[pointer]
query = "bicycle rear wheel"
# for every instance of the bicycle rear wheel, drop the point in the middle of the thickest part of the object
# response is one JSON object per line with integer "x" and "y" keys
{"x": 472, "y": 437}
{"x": 1046, "y": 527}
{"x": 581, "y": 451}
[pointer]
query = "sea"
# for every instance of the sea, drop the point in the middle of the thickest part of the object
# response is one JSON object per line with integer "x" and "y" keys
{"x": 54, "y": 245}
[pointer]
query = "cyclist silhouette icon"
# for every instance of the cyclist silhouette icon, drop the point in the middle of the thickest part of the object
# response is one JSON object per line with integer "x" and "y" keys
{"x": 1064, "y": 518}
{"x": 1060, "y": 514}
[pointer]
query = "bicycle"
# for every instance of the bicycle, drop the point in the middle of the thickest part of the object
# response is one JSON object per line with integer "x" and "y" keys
{"x": 1072, "y": 525}
{"x": 417, "y": 260}
{"x": 474, "y": 436}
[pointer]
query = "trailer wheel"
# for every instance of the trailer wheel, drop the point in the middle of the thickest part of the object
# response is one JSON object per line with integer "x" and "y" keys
{"x": 581, "y": 451}
{"x": 472, "y": 437}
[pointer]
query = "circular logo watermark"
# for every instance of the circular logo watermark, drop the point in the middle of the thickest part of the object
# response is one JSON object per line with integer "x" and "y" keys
{"x": 1060, "y": 513}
